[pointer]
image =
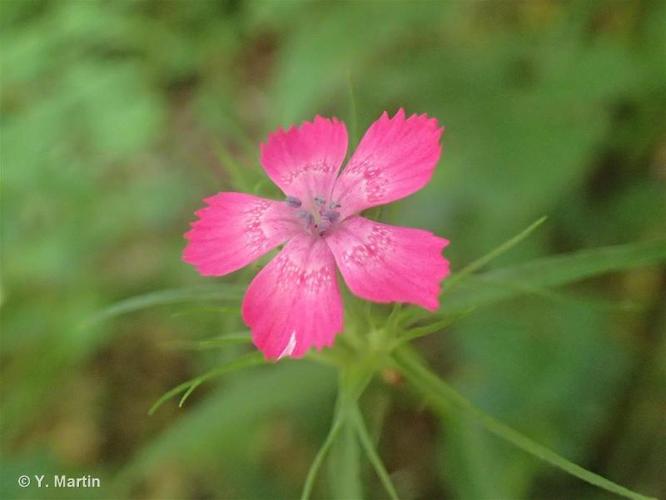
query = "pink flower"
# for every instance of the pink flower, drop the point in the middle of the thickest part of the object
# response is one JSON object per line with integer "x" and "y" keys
{"x": 294, "y": 302}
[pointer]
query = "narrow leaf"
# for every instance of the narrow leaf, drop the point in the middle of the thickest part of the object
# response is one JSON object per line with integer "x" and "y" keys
{"x": 213, "y": 431}
{"x": 251, "y": 359}
{"x": 444, "y": 398}
{"x": 168, "y": 395}
{"x": 371, "y": 452}
{"x": 163, "y": 297}
{"x": 435, "y": 326}
{"x": 493, "y": 254}
{"x": 189, "y": 391}
{"x": 338, "y": 421}
{"x": 195, "y": 310}
{"x": 561, "y": 269}
{"x": 210, "y": 343}
{"x": 549, "y": 272}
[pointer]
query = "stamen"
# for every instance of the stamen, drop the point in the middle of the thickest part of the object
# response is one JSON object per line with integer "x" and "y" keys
{"x": 331, "y": 215}
{"x": 306, "y": 216}
{"x": 318, "y": 218}
{"x": 293, "y": 202}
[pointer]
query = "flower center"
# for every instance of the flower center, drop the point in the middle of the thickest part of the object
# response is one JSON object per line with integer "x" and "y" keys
{"x": 319, "y": 218}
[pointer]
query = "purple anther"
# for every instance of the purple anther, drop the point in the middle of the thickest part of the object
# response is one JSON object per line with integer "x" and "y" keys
{"x": 293, "y": 202}
{"x": 331, "y": 215}
{"x": 307, "y": 217}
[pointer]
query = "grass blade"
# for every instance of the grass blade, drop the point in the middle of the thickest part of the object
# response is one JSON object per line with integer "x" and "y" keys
{"x": 444, "y": 398}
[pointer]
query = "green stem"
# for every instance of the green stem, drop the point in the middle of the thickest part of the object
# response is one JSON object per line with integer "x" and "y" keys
{"x": 443, "y": 397}
{"x": 321, "y": 454}
{"x": 353, "y": 381}
{"x": 371, "y": 452}
{"x": 422, "y": 331}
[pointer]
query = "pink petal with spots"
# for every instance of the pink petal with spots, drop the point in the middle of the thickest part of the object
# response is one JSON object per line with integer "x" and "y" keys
{"x": 235, "y": 229}
{"x": 294, "y": 303}
{"x": 304, "y": 161}
{"x": 395, "y": 158}
{"x": 388, "y": 263}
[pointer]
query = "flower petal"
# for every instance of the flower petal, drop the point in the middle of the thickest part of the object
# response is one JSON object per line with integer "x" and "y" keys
{"x": 294, "y": 302}
{"x": 304, "y": 161}
{"x": 235, "y": 229}
{"x": 388, "y": 263}
{"x": 395, "y": 158}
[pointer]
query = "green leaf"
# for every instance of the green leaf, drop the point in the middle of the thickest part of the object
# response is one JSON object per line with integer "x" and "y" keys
{"x": 251, "y": 359}
{"x": 444, "y": 398}
{"x": 562, "y": 269}
{"x": 549, "y": 272}
{"x": 493, "y": 254}
{"x": 216, "y": 430}
{"x": 435, "y": 326}
{"x": 197, "y": 310}
{"x": 210, "y": 343}
{"x": 371, "y": 452}
{"x": 164, "y": 297}
{"x": 333, "y": 432}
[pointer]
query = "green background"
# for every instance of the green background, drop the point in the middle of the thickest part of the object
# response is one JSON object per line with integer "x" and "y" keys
{"x": 117, "y": 118}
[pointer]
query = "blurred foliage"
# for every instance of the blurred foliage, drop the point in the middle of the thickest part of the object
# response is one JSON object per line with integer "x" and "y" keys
{"x": 118, "y": 117}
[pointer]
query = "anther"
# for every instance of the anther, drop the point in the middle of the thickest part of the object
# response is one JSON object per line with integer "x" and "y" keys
{"x": 293, "y": 202}
{"x": 306, "y": 216}
{"x": 331, "y": 215}
{"x": 319, "y": 200}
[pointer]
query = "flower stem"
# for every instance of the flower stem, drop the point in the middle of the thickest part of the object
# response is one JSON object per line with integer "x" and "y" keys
{"x": 321, "y": 454}
{"x": 353, "y": 381}
{"x": 371, "y": 452}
